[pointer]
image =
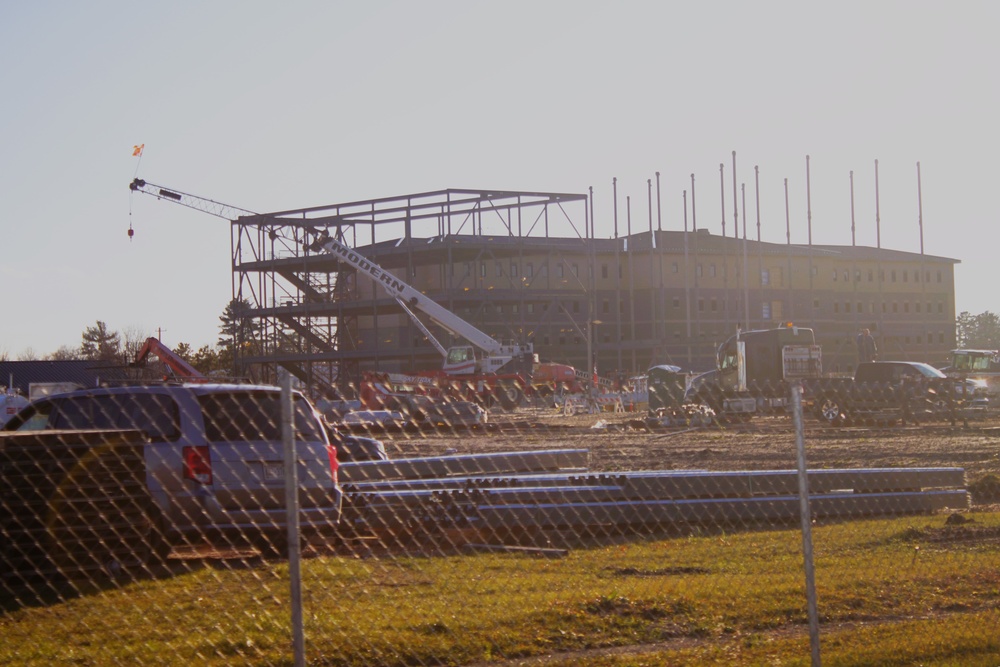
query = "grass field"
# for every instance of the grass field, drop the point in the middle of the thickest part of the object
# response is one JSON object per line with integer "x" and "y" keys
{"x": 903, "y": 591}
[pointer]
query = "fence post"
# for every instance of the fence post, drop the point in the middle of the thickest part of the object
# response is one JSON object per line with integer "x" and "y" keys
{"x": 805, "y": 516}
{"x": 292, "y": 520}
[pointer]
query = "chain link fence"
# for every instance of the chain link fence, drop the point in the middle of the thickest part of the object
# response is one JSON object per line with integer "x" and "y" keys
{"x": 234, "y": 524}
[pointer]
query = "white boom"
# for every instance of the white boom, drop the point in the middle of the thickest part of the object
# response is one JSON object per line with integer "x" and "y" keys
{"x": 458, "y": 360}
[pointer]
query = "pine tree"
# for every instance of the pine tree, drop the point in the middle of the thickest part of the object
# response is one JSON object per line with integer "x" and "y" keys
{"x": 100, "y": 344}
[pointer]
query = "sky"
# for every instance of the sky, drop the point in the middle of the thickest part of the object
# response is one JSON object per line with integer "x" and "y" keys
{"x": 276, "y": 106}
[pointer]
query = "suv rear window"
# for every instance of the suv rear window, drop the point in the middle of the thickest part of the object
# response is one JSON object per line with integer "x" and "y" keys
{"x": 241, "y": 416}
{"x": 156, "y": 414}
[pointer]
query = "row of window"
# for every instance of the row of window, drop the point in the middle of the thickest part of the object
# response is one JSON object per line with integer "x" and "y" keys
{"x": 902, "y": 275}
{"x": 561, "y": 270}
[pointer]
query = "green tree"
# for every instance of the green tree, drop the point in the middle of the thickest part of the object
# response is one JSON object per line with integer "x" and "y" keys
{"x": 238, "y": 335}
{"x": 978, "y": 331}
{"x": 100, "y": 343}
{"x": 207, "y": 360}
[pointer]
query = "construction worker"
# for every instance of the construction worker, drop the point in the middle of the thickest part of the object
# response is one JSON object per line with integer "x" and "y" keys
{"x": 867, "y": 349}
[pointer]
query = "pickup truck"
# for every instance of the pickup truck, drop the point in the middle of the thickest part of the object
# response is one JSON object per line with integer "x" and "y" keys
{"x": 887, "y": 392}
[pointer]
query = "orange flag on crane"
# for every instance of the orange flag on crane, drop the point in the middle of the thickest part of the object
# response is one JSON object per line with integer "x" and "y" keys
{"x": 137, "y": 150}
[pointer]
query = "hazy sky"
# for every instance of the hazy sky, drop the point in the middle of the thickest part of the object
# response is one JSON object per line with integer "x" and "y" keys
{"x": 271, "y": 106}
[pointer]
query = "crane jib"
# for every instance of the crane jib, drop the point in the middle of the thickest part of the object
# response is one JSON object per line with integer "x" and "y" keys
{"x": 376, "y": 272}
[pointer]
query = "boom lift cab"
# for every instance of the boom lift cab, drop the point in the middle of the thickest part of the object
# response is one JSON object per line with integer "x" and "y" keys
{"x": 980, "y": 366}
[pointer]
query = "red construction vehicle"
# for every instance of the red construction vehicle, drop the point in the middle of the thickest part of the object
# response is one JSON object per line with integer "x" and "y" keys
{"x": 179, "y": 368}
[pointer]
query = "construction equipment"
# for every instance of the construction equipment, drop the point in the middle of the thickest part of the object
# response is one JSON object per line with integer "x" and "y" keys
{"x": 177, "y": 366}
{"x": 500, "y": 371}
{"x": 980, "y": 366}
{"x": 753, "y": 369}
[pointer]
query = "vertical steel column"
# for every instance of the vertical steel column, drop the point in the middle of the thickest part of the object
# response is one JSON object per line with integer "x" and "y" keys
{"x": 788, "y": 247}
{"x": 760, "y": 247}
{"x": 812, "y": 298}
{"x": 618, "y": 279}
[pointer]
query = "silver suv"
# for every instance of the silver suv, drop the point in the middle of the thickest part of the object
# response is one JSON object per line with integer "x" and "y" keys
{"x": 214, "y": 460}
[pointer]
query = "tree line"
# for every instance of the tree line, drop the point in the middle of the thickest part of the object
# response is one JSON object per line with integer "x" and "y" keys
{"x": 99, "y": 343}
{"x": 120, "y": 348}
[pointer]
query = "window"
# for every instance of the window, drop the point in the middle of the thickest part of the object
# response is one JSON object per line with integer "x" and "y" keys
{"x": 604, "y": 270}
{"x": 835, "y": 275}
{"x": 816, "y": 304}
{"x": 529, "y": 307}
{"x": 482, "y": 269}
{"x": 499, "y": 270}
{"x": 514, "y": 309}
{"x": 836, "y": 307}
{"x": 906, "y": 276}
{"x": 918, "y": 306}
{"x": 513, "y": 270}
{"x": 906, "y": 306}
{"x": 715, "y": 304}
{"x": 576, "y": 306}
{"x": 605, "y": 306}
{"x": 677, "y": 302}
{"x": 701, "y": 305}
{"x": 847, "y": 306}
{"x": 529, "y": 270}
{"x": 857, "y": 275}
{"x": 939, "y": 276}
{"x": 765, "y": 278}
{"x": 940, "y": 306}
{"x": 871, "y": 276}
{"x": 559, "y": 270}
{"x": 893, "y": 274}
{"x": 765, "y": 311}
{"x": 576, "y": 270}
{"x": 675, "y": 267}
{"x": 895, "y": 307}
{"x": 698, "y": 271}
{"x": 711, "y": 270}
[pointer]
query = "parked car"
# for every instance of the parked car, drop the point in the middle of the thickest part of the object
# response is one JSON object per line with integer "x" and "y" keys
{"x": 886, "y": 391}
{"x": 373, "y": 420}
{"x": 214, "y": 460}
{"x": 454, "y": 414}
{"x": 352, "y": 448}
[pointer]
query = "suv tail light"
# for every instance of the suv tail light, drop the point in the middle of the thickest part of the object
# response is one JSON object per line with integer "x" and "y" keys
{"x": 197, "y": 464}
{"x": 331, "y": 452}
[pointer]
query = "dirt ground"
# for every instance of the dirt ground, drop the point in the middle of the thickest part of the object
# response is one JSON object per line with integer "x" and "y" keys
{"x": 765, "y": 443}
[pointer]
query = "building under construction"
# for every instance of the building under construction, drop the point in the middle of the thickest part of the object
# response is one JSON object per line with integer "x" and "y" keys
{"x": 527, "y": 266}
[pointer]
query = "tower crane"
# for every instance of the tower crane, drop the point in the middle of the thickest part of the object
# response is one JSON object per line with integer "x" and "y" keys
{"x": 218, "y": 209}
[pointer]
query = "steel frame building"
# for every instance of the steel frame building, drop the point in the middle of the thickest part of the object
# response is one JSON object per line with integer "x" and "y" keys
{"x": 528, "y": 266}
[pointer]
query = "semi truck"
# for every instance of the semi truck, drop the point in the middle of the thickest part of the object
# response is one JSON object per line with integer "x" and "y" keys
{"x": 753, "y": 371}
